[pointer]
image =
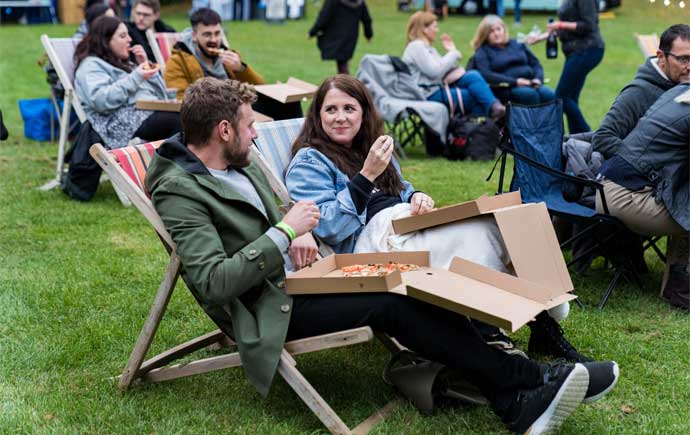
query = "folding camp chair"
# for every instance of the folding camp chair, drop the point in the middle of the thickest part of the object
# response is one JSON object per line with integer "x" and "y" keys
{"x": 126, "y": 168}
{"x": 535, "y": 135}
{"x": 162, "y": 44}
{"x": 648, "y": 44}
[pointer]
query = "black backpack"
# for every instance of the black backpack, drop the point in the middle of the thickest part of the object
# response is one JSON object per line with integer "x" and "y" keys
{"x": 471, "y": 137}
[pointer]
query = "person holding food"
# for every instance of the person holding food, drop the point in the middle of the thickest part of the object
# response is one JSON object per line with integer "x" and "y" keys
{"x": 108, "y": 86}
{"x": 343, "y": 162}
{"x": 202, "y": 53}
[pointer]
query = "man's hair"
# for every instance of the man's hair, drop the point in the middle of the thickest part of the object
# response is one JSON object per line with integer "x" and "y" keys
{"x": 153, "y": 4}
{"x": 209, "y": 101}
{"x": 674, "y": 32}
{"x": 205, "y": 16}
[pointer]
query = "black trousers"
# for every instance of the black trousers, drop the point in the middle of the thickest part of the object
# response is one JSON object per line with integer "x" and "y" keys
{"x": 433, "y": 332}
{"x": 275, "y": 109}
{"x": 160, "y": 125}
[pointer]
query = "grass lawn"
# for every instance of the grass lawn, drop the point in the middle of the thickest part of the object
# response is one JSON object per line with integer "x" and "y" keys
{"x": 77, "y": 280}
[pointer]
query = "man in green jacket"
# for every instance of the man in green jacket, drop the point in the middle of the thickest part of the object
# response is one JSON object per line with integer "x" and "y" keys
{"x": 235, "y": 249}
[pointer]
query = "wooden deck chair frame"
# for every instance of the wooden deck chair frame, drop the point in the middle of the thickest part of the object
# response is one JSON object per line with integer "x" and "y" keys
{"x": 53, "y": 48}
{"x": 648, "y": 44}
{"x": 158, "y": 53}
{"x": 156, "y": 369}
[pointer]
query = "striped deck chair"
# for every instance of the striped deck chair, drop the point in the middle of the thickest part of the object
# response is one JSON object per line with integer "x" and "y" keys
{"x": 126, "y": 168}
{"x": 60, "y": 51}
{"x": 648, "y": 44}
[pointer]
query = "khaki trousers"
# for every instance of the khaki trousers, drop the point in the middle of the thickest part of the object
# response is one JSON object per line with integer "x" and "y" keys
{"x": 640, "y": 212}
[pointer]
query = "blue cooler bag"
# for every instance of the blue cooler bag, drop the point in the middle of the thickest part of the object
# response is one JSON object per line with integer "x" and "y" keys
{"x": 36, "y": 114}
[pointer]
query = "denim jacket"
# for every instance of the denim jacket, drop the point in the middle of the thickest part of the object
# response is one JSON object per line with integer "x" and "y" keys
{"x": 312, "y": 176}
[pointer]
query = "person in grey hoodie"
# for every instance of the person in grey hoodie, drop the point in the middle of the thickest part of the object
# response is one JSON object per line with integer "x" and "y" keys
{"x": 656, "y": 76}
{"x": 108, "y": 86}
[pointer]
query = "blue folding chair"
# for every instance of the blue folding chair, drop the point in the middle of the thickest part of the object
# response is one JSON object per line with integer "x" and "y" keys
{"x": 534, "y": 137}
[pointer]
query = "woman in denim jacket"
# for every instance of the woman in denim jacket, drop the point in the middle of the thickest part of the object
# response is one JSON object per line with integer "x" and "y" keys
{"x": 359, "y": 189}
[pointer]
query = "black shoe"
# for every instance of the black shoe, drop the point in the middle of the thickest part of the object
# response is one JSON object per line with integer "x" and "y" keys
{"x": 677, "y": 289}
{"x": 547, "y": 339}
{"x": 3, "y": 130}
{"x": 602, "y": 378}
{"x": 543, "y": 409}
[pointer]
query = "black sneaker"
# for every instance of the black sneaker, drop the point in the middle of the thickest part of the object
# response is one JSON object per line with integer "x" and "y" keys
{"x": 542, "y": 410}
{"x": 602, "y": 378}
{"x": 547, "y": 338}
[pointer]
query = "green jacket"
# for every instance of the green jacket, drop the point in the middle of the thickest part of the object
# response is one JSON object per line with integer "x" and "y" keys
{"x": 232, "y": 268}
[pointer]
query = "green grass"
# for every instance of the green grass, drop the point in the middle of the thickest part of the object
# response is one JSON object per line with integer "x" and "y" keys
{"x": 76, "y": 280}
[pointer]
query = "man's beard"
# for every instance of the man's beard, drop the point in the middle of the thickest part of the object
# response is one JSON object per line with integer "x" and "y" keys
{"x": 206, "y": 53}
{"x": 234, "y": 155}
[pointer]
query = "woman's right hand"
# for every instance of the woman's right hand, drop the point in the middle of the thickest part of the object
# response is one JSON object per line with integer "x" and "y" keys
{"x": 146, "y": 71}
{"x": 378, "y": 158}
{"x": 447, "y": 42}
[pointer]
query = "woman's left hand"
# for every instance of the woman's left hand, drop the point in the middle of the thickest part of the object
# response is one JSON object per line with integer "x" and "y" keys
{"x": 303, "y": 251}
{"x": 421, "y": 203}
{"x": 139, "y": 54}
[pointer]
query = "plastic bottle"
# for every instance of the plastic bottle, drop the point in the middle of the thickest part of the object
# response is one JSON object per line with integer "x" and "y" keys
{"x": 551, "y": 44}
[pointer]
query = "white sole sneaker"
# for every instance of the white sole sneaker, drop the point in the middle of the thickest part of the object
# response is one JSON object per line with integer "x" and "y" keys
{"x": 616, "y": 373}
{"x": 567, "y": 399}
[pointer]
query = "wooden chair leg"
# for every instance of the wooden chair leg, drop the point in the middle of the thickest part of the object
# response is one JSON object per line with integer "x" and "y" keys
{"x": 64, "y": 132}
{"x": 152, "y": 321}
{"x": 310, "y": 396}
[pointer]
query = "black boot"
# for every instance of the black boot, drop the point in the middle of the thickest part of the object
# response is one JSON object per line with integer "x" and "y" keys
{"x": 3, "y": 130}
{"x": 677, "y": 289}
{"x": 547, "y": 339}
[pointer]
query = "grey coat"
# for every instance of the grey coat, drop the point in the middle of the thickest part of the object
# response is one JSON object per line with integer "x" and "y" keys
{"x": 658, "y": 149}
{"x": 103, "y": 88}
{"x": 633, "y": 101}
{"x": 393, "y": 92}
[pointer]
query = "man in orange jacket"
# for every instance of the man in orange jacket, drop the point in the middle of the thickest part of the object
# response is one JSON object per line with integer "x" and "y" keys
{"x": 202, "y": 53}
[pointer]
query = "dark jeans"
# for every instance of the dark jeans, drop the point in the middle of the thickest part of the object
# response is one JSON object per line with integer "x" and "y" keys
{"x": 477, "y": 97}
{"x": 160, "y": 125}
{"x": 572, "y": 80}
{"x": 435, "y": 333}
{"x": 530, "y": 96}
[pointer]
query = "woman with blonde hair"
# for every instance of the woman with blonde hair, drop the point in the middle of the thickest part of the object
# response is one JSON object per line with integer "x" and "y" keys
{"x": 441, "y": 76}
{"x": 500, "y": 59}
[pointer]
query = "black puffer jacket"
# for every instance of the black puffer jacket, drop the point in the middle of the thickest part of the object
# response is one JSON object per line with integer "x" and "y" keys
{"x": 337, "y": 28}
{"x": 628, "y": 108}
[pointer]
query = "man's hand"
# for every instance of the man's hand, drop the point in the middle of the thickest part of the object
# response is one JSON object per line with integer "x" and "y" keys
{"x": 302, "y": 217}
{"x": 303, "y": 251}
{"x": 421, "y": 203}
{"x": 523, "y": 82}
{"x": 231, "y": 60}
{"x": 378, "y": 158}
{"x": 139, "y": 54}
{"x": 147, "y": 72}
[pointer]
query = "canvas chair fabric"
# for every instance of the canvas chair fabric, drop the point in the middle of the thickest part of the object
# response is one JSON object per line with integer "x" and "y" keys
{"x": 162, "y": 44}
{"x": 60, "y": 51}
{"x": 648, "y": 44}
{"x": 127, "y": 169}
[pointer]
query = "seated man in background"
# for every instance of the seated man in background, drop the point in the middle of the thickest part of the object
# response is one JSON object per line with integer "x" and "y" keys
{"x": 236, "y": 248}
{"x": 201, "y": 53}
{"x": 656, "y": 76}
{"x": 646, "y": 184}
{"x": 146, "y": 15}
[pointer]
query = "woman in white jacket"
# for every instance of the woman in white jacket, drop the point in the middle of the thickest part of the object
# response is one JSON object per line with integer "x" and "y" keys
{"x": 108, "y": 85}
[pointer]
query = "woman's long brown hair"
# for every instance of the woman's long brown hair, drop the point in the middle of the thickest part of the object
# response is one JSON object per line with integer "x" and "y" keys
{"x": 97, "y": 43}
{"x": 348, "y": 160}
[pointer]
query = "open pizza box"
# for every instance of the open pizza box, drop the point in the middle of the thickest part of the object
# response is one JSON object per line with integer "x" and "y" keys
{"x": 326, "y": 276}
{"x": 289, "y": 92}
